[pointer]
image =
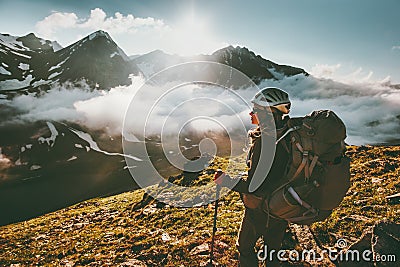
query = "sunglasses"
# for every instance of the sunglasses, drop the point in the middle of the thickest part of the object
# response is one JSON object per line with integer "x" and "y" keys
{"x": 256, "y": 110}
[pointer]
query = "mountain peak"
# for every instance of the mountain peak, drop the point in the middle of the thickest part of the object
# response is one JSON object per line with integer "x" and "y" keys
{"x": 157, "y": 52}
{"x": 238, "y": 50}
{"x": 99, "y": 33}
{"x": 112, "y": 66}
{"x": 35, "y": 43}
{"x": 234, "y": 48}
{"x": 254, "y": 66}
{"x": 30, "y": 35}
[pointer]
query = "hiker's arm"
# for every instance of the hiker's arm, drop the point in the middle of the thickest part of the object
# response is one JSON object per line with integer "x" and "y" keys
{"x": 239, "y": 184}
{"x": 272, "y": 175}
{"x": 242, "y": 186}
{"x": 254, "y": 159}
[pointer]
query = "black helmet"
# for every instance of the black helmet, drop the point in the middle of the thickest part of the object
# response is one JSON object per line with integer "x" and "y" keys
{"x": 271, "y": 96}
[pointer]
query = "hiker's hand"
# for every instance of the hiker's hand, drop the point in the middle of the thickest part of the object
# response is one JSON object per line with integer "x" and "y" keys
{"x": 220, "y": 178}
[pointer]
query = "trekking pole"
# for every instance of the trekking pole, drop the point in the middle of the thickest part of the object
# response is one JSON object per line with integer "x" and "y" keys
{"x": 218, "y": 189}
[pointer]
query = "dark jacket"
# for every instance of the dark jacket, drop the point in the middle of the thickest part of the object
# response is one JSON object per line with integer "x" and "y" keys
{"x": 273, "y": 178}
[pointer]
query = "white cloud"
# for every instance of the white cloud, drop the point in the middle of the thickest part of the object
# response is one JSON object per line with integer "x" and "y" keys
{"x": 324, "y": 70}
{"x": 346, "y": 74}
{"x": 172, "y": 111}
{"x": 135, "y": 35}
{"x": 107, "y": 110}
{"x": 358, "y": 76}
{"x": 55, "y": 22}
{"x": 56, "y": 104}
{"x": 370, "y": 110}
{"x": 98, "y": 19}
{"x": 120, "y": 23}
{"x": 396, "y": 47}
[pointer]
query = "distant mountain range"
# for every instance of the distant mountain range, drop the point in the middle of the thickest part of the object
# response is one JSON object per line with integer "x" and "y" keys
{"x": 46, "y": 165}
{"x": 31, "y": 63}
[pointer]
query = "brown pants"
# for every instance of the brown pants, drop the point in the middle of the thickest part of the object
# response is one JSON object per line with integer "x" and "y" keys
{"x": 256, "y": 224}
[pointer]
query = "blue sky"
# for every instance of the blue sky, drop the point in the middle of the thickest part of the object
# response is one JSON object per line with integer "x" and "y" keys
{"x": 357, "y": 40}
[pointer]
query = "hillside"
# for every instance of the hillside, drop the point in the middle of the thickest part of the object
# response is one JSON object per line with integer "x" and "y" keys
{"x": 132, "y": 229}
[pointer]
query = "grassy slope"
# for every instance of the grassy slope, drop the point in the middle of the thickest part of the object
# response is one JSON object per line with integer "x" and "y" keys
{"x": 375, "y": 174}
{"x": 115, "y": 230}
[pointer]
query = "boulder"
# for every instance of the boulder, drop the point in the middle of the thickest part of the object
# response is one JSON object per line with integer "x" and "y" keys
{"x": 378, "y": 246}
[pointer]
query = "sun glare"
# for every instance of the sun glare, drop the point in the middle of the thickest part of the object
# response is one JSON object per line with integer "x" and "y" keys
{"x": 192, "y": 36}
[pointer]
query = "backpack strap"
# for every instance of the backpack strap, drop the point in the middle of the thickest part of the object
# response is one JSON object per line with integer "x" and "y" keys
{"x": 304, "y": 217}
{"x": 314, "y": 162}
{"x": 300, "y": 201}
{"x": 309, "y": 161}
{"x": 303, "y": 165}
{"x": 287, "y": 132}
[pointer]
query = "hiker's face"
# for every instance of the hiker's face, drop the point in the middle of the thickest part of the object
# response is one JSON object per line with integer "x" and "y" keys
{"x": 254, "y": 118}
{"x": 259, "y": 115}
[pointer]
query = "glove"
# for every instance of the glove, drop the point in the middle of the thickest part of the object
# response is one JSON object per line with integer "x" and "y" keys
{"x": 221, "y": 178}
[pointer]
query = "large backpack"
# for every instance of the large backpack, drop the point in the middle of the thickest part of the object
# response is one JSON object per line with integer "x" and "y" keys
{"x": 318, "y": 173}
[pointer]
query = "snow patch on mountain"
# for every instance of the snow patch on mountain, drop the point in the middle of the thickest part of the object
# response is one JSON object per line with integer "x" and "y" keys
{"x": 72, "y": 158}
{"x": 19, "y": 54}
{"x": 23, "y": 66}
{"x": 35, "y": 167}
{"x": 56, "y": 46}
{"x": 40, "y": 82}
{"x": 93, "y": 145}
{"x": 58, "y": 65}
{"x": 12, "y": 43}
{"x": 3, "y": 71}
{"x": 52, "y": 139}
{"x": 15, "y": 84}
{"x": 51, "y": 76}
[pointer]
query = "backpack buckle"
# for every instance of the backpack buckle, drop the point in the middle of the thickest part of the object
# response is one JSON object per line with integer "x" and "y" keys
{"x": 310, "y": 130}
